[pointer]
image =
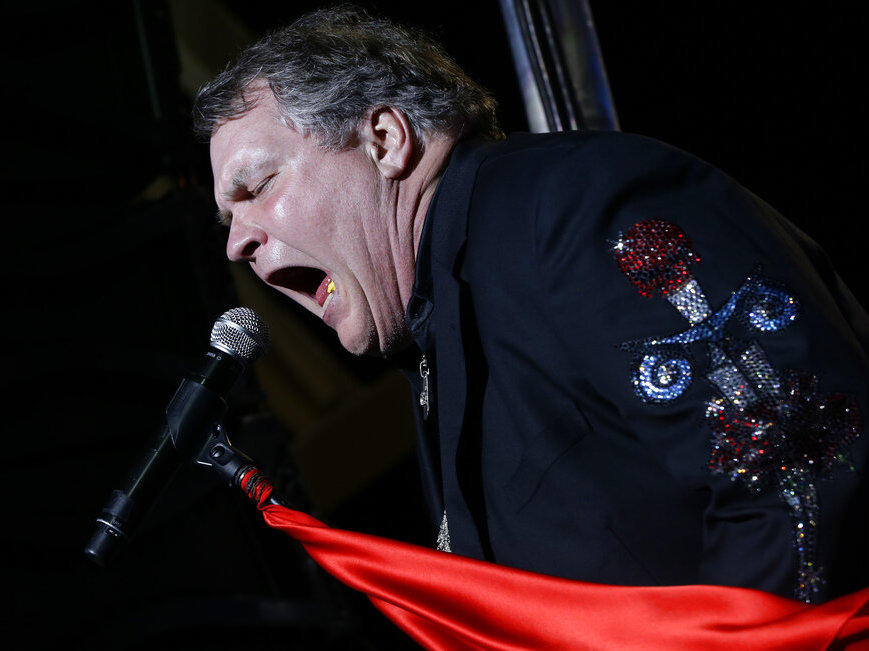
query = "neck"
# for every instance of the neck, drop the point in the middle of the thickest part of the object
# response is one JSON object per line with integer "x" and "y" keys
{"x": 414, "y": 197}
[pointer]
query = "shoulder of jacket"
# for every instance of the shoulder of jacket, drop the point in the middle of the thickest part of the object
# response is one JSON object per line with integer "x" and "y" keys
{"x": 557, "y": 145}
{"x": 542, "y": 159}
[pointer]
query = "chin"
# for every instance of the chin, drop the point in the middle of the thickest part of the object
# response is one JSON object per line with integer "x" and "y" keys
{"x": 366, "y": 340}
{"x": 359, "y": 340}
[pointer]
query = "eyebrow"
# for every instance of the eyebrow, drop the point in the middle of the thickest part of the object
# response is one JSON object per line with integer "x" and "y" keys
{"x": 239, "y": 180}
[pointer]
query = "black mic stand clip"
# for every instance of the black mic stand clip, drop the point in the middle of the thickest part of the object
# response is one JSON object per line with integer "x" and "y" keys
{"x": 233, "y": 466}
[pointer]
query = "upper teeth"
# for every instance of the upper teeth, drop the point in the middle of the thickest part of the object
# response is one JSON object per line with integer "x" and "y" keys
{"x": 331, "y": 286}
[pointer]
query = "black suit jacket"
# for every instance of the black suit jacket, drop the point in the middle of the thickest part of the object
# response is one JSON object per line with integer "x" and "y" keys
{"x": 545, "y": 447}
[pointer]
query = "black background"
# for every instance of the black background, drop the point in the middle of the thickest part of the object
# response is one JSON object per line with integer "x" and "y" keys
{"x": 109, "y": 296}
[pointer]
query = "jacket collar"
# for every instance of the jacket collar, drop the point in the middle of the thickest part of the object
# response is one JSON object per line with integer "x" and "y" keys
{"x": 435, "y": 321}
{"x": 444, "y": 234}
{"x": 450, "y": 228}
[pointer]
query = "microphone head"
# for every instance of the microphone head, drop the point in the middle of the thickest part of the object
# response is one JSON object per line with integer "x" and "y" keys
{"x": 240, "y": 332}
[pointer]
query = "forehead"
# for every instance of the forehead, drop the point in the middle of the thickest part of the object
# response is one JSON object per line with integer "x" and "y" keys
{"x": 249, "y": 140}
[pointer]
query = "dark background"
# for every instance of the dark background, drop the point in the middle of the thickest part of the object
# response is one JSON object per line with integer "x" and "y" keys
{"x": 114, "y": 272}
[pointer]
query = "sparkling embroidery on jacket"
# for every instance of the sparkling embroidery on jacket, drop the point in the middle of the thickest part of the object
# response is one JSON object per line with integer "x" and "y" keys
{"x": 768, "y": 431}
{"x": 787, "y": 439}
{"x": 690, "y": 301}
{"x": 443, "y": 542}
{"x": 663, "y": 366}
{"x": 655, "y": 255}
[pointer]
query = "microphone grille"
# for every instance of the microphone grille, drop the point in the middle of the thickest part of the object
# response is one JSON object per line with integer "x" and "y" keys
{"x": 240, "y": 332}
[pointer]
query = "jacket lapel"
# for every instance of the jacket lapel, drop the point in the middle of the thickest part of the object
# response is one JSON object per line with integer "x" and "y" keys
{"x": 449, "y": 233}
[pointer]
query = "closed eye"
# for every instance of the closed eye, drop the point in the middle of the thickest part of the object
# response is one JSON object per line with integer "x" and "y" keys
{"x": 224, "y": 217}
{"x": 262, "y": 186}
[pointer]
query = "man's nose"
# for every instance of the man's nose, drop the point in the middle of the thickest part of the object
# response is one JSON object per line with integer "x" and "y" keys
{"x": 243, "y": 241}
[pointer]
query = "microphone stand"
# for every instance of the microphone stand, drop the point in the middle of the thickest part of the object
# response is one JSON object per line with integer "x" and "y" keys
{"x": 235, "y": 467}
{"x": 240, "y": 471}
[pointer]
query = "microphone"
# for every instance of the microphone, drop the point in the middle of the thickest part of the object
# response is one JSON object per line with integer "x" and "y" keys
{"x": 238, "y": 337}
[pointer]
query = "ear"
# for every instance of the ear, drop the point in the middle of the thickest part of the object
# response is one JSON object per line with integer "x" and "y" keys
{"x": 388, "y": 139}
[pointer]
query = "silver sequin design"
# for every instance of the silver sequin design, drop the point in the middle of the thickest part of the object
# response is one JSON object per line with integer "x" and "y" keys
{"x": 691, "y": 302}
{"x": 759, "y": 371}
{"x": 443, "y": 542}
{"x": 731, "y": 383}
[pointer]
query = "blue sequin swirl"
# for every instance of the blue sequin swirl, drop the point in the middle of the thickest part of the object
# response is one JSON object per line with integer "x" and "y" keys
{"x": 771, "y": 309}
{"x": 659, "y": 379}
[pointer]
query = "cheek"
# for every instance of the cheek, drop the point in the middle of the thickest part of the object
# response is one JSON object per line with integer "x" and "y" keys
{"x": 330, "y": 210}
{"x": 359, "y": 220}
{"x": 300, "y": 219}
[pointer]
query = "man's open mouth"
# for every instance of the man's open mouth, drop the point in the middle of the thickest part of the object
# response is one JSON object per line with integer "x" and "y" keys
{"x": 310, "y": 281}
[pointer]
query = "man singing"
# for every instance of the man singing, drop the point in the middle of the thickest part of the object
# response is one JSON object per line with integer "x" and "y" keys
{"x": 629, "y": 369}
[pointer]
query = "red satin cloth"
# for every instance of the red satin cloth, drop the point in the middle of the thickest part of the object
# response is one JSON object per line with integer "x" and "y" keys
{"x": 444, "y": 601}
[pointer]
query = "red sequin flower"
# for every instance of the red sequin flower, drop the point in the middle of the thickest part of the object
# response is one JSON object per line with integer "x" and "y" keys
{"x": 805, "y": 432}
{"x": 655, "y": 255}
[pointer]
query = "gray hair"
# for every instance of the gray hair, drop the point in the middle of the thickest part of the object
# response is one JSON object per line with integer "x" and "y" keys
{"x": 331, "y": 66}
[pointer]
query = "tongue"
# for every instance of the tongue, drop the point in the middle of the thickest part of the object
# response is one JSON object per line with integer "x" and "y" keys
{"x": 323, "y": 291}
